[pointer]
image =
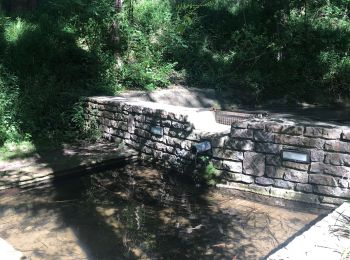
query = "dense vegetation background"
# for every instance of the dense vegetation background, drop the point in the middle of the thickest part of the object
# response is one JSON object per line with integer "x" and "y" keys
{"x": 53, "y": 53}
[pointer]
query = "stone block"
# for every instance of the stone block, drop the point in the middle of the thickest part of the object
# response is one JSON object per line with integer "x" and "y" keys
{"x": 240, "y": 124}
{"x": 273, "y": 160}
{"x": 193, "y": 137}
{"x": 331, "y": 200}
{"x": 316, "y": 155}
{"x": 240, "y": 145}
{"x": 275, "y": 127}
{"x": 332, "y": 191}
{"x": 186, "y": 145}
{"x": 172, "y": 141}
{"x": 227, "y": 154}
{"x": 146, "y": 110}
{"x": 273, "y": 172}
{"x": 166, "y": 123}
{"x": 137, "y": 125}
{"x": 136, "y": 109}
{"x": 254, "y": 164}
{"x": 267, "y": 148}
{"x": 108, "y": 114}
{"x": 337, "y": 146}
{"x": 296, "y": 166}
{"x": 256, "y": 125}
{"x": 219, "y": 141}
{"x": 299, "y": 141}
{"x": 183, "y": 153}
{"x": 131, "y": 124}
{"x": 161, "y": 114}
{"x": 322, "y": 132}
{"x": 176, "y": 116}
{"x": 170, "y": 149}
{"x": 295, "y": 176}
{"x": 166, "y": 130}
{"x": 292, "y": 130}
{"x": 159, "y": 146}
{"x": 242, "y": 133}
{"x": 284, "y": 184}
{"x": 231, "y": 166}
{"x": 126, "y": 107}
{"x": 337, "y": 159}
{"x": 263, "y": 190}
{"x": 157, "y": 154}
{"x": 146, "y": 150}
{"x": 293, "y": 195}
{"x": 340, "y": 171}
{"x": 239, "y": 177}
{"x": 263, "y": 136}
{"x": 344, "y": 183}
{"x": 139, "y": 118}
{"x": 166, "y": 156}
{"x": 323, "y": 180}
{"x": 264, "y": 181}
{"x": 178, "y": 125}
{"x": 217, "y": 164}
{"x": 308, "y": 188}
{"x": 143, "y": 133}
{"x": 152, "y": 120}
{"x": 346, "y": 135}
{"x": 157, "y": 138}
{"x": 177, "y": 133}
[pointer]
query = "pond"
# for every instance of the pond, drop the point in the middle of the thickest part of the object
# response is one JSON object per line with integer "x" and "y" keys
{"x": 139, "y": 212}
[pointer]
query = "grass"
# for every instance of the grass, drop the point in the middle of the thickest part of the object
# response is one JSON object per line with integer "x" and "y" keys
{"x": 12, "y": 150}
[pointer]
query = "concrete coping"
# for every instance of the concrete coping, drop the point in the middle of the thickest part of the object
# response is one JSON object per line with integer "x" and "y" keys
{"x": 329, "y": 238}
{"x": 208, "y": 116}
{"x": 202, "y": 119}
{"x": 8, "y": 252}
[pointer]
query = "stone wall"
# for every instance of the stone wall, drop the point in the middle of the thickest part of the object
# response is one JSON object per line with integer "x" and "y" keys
{"x": 248, "y": 154}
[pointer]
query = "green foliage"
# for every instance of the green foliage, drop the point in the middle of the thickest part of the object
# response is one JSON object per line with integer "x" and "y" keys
{"x": 208, "y": 173}
{"x": 14, "y": 30}
{"x": 9, "y": 96}
{"x": 12, "y": 150}
{"x": 268, "y": 49}
{"x": 147, "y": 34}
{"x": 88, "y": 129}
{"x": 49, "y": 59}
{"x": 258, "y": 50}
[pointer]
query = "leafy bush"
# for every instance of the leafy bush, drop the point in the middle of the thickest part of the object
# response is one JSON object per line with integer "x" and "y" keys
{"x": 147, "y": 33}
{"x": 268, "y": 48}
{"x": 9, "y": 125}
{"x": 205, "y": 171}
{"x": 52, "y": 58}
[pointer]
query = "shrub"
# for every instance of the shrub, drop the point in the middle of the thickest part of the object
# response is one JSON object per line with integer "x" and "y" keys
{"x": 9, "y": 123}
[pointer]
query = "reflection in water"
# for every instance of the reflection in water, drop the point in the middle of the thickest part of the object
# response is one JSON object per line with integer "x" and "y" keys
{"x": 137, "y": 212}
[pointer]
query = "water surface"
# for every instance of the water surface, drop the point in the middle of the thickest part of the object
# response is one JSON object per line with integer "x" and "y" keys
{"x": 137, "y": 212}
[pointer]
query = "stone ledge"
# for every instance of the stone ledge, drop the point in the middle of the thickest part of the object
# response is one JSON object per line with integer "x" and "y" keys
{"x": 56, "y": 164}
{"x": 322, "y": 241}
{"x": 274, "y": 192}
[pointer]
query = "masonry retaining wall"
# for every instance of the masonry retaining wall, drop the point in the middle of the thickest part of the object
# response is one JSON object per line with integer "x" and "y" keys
{"x": 248, "y": 154}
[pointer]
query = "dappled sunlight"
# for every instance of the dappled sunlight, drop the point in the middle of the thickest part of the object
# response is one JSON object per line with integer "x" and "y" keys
{"x": 14, "y": 30}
